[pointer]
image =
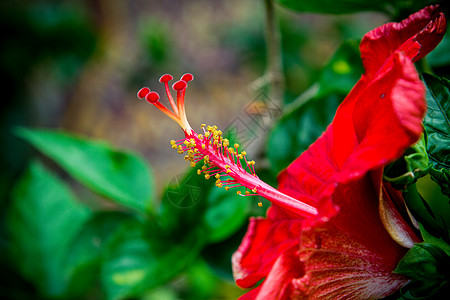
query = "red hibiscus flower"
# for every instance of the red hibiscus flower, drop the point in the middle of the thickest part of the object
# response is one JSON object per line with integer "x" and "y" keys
{"x": 349, "y": 249}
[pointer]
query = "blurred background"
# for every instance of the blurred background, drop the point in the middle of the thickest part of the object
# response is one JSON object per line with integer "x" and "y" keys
{"x": 77, "y": 65}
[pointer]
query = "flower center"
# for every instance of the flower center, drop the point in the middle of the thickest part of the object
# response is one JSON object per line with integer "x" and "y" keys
{"x": 227, "y": 164}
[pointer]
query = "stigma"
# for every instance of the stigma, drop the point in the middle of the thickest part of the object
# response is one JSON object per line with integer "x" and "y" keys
{"x": 178, "y": 114}
{"x": 214, "y": 156}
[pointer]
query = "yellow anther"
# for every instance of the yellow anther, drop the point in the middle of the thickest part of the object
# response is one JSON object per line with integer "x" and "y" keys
{"x": 254, "y": 190}
{"x": 227, "y": 169}
{"x": 260, "y": 203}
{"x": 214, "y": 127}
{"x": 204, "y": 168}
{"x": 202, "y": 126}
{"x": 247, "y": 192}
{"x": 207, "y": 134}
{"x": 199, "y": 172}
{"x": 251, "y": 163}
{"x": 219, "y": 185}
{"x": 244, "y": 153}
{"x": 186, "y": 142}
{"x": 217, "y": 176}
{"x": 207, "y": 176}
{"x": 215, "y": 142}
{"x": 203, "y": 146}
{"x": 226, "y": 142}
{"x": 238, "y": 192}
{"x": 192, "y": 164}
{"x": 200, "y": 136}
{"x": 236, "y": 145}
{"x": 172, "y": 142}
{"x": 209, "y": 128}
{"x": 227, "y": 188}
{"x": 241, "y": 156}
{"x": 219, "y": 132}
{"x": 186, "y": 157}
{"x": 174, "y": 146}
{"x": 231, "y": 150}
{"x": 180, "y": 151}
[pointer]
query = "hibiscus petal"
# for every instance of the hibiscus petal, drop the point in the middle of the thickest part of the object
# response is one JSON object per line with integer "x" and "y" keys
{"x": 257, "y": 253}
{"x": 416, "y": 36}
{"x": 386, "y": 118}
{"x": 392, "y": 211}
{"x": 348, "y": 255}
{"x": 339, "y": 267}
{"x": 277, "y": 285}
{"x": 345, "y": 256}
{"x": 251, "y": 295}
{"x": 375, "y": 124}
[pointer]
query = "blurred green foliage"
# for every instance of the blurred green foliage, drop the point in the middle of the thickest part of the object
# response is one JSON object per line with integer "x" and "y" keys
{"x": 52, "y": 33}
{"x": 129, "y": 247}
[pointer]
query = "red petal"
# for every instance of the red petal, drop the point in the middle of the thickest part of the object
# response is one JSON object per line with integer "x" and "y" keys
{"x": 251, "y": 295}
{"x": 392, "y": 212}
{"x": 277, "y": 285}
{"x": 416, "y": 36}
{"x": 386, "y": 118}
{"x": 375, "y": 124}
{"x": 257, "y": 253}
{"x": 347, "y": 255}
{"x": 339, "y": 267}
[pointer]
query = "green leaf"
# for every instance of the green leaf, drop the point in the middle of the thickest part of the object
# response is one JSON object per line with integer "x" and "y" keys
{"x": 431, "y": 239}
{"x": 437, "y": 125}
{"x": 410, "y": 167}
{"x": 335, "y": 6}
{"x": 226, "y": 213}
{"x": 117, "y": 175}
{"x": 440, "y": 56}
{"x": 433, "y": 211}
{"x": 428, "y": 266}
{"x": 202, "y": 282}
{"x": 86, "y": 249}
{"x": 184, "y": 203}
{"x": 43, "y": 219}
{"x": 442, "y": 177}
{"x": 218, "y": 255}
{"x": 138, "y": 260}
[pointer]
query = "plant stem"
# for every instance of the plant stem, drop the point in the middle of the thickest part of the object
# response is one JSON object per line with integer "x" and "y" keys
{"x": 273, "y": 77}
{"x": 274, "y": 68}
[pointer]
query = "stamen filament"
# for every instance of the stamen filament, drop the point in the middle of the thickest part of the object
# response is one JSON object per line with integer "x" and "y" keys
{"x": 220, "y": 160}
{"x": 164, "y": 109}
{"x": 165, "y": 79}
